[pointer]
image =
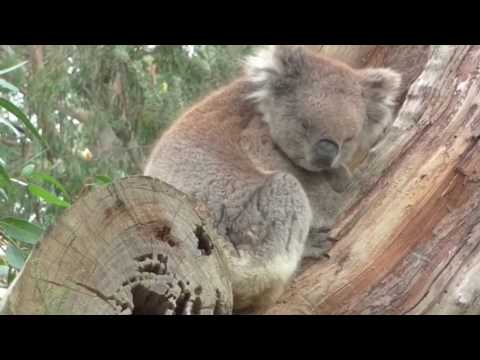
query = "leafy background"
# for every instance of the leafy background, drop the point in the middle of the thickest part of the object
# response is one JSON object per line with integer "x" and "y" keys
{"x": 76, "y": 117}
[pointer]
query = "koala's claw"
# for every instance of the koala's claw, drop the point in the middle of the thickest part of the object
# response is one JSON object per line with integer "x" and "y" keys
{"x": 339, "y": 179}
{"x": 319, "y": 243}
{"x": 311, "y": 252}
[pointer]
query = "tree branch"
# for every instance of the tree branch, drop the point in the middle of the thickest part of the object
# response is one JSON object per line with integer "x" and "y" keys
{"x": 81, "y": 115}
{"x": 9, "y": 142}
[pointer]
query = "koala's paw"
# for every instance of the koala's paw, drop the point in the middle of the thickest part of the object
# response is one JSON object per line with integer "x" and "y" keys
{"x": 318, "y": 244}
{"x": 339, "y": 179}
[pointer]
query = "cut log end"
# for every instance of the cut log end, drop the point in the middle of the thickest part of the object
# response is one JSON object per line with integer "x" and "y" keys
{"x": 136, "y": 247}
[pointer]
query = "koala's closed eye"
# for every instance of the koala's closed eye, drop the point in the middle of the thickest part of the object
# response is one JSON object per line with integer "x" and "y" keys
{"x": 306, "y": 124}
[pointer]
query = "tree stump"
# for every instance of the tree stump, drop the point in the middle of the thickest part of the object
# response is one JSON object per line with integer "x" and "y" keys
{"x": 136, "y": 247}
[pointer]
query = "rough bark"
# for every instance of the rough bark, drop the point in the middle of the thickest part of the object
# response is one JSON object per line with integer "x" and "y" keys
{"x": 136, "y": 247}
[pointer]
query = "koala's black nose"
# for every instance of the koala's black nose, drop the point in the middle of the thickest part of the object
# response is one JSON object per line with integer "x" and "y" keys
{"x": 326, "y": 152}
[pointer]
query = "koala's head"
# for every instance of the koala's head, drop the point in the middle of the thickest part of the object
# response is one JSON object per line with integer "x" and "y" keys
{"x": 320, "y": 112}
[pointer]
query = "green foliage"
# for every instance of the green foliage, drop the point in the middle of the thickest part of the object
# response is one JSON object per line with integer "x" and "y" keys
{"x": 47, "y": 196}
{"x": 7, "y": 105}
{"x": 17, "y": 234}
{"x": 76, "y": 117}
{"x": 103, "y": 180}
{"x": 43, "y": 177}
{"x": 4, "y": 83}
{"x": 15, "y": 257}
{"x": 4, "y": 178}
{"x": 21, "y": 230}
{"x": 11, "y": 68}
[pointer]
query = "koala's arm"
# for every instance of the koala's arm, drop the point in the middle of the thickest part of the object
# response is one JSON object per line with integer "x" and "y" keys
{"x": 269, "y": 235}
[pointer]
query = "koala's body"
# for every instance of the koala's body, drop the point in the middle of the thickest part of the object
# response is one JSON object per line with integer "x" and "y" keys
{"x": 268, "y": 154}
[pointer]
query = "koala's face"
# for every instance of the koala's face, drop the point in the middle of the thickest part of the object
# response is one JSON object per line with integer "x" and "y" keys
{"x": 317, "y": 124}
{"x": 321, "y": 113}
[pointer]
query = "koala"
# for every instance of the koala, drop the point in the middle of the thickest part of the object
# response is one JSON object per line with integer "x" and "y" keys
{"x": 269, "y": 152}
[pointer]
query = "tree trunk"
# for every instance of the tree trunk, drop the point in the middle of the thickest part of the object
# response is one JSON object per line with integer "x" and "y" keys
{"x": 406, "y": 242}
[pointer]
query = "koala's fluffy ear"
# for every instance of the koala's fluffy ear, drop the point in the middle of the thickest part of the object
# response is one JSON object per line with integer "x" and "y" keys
{"x": 381, "y": 88}
{"x": 381, "y": 85}
{"x": 274, "y": 67}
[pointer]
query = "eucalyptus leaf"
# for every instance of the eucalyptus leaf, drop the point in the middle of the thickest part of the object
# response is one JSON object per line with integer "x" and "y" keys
{"x": 47, "y": 196}
{"x": 21, "y": 230}
{"x": 6, "y": 85}
{"x": 4, "y": 178}
{"x": 7, "y": 105}
{"x": 3, "y": 194}
{"x": 49, "y": 179}
{"x": 28, "y": 170}
{"x": 15, "y": 257}
{"x": 103, "y": 180}
{"x": 9, "y": 125}
{"x": 3, "y": 272}
{"x": 10, "y": 69}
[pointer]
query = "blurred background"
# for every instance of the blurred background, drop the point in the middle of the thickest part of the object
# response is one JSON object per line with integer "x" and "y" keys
{"x": 76, "y": 117}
